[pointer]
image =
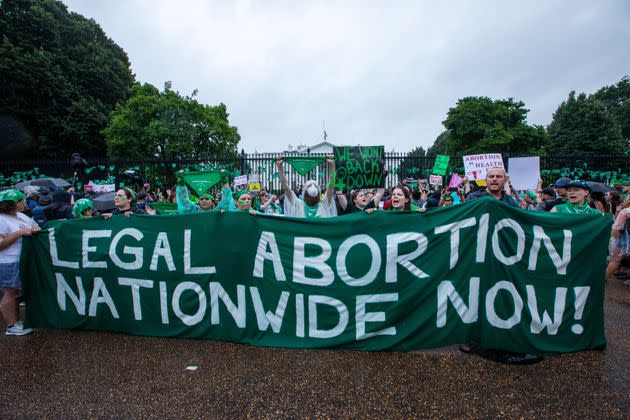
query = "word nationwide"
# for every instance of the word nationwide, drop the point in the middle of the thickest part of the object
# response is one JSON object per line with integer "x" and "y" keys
{"x": 478, "y": 272}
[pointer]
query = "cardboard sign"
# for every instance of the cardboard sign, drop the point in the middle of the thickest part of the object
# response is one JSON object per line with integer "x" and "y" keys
{"x": 435, "y": 179}
{"x": 254, "y": 186}
{"x": 441, "y": 164}
{"x": 359, "y": 167}
{"x": 253, "y": 178}
{"x": 524, "y": 172}
{"x": 240, "y": 180}
{"x": 476, "y": 166}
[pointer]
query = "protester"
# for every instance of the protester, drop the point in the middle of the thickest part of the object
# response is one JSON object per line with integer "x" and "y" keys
{"x": 496, "y": 180}
{"x": 360, "y": 200}
{"x": 184, "y": 203}
{"x": 311, "y": 204}
{"x": 560, "y": 189}
{"x": 577, "y": 194}
{"x": 124, "y": 202}
{"x": 269, "y": 203}
{"x": 401, "y": 200}
{"x": 13, "y": 226}
{"x": 621, "y": 242}
{"x": 38, "y": 211}
{"x": 545, "y": 195}
{"x": 598, "y": 202}
{"x": 83, "y": 208}
{"x": 60, "y": 207}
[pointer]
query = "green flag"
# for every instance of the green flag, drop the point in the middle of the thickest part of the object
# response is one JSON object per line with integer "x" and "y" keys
{"x": 164, "y": 208}
{"x": 303, "y": 164}
{"x": 441, "y": 164}
{"x": 201, "y": 181}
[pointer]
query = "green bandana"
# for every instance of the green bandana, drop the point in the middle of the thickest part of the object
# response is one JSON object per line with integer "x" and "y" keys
{"x": 239, "y": 193}
{"x": 304, "y": 164}
{"x": 11, "y": 195}
{"x": 210, "y": 196}
{"x": 80, "y": 206}
{"x": 571, "y": 208}
{"x": 310, "y": 211}
{"x": 201, "y": 181}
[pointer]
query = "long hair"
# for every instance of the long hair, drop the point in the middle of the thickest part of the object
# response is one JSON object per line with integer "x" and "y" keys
{"x": 407, "y": 194}
{"x": 7, "y": 207}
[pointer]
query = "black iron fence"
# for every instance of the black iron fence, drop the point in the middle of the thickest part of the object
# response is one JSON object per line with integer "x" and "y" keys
{"x": 400, "y": 166}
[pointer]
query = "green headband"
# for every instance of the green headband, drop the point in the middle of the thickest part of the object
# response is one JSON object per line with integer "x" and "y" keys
{"x": 238, "y": 194}
{"x": 11, "y": 195}
{"x": 210, "y": 196}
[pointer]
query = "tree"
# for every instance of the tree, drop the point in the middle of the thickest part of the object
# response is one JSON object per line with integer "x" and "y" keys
{"x": 582, "y": 125}
{"x": 60, "y": 76}
{"x": 166, "y": 125}
{"x": 481, "y": 125}
{"x": 439, "y": 145}
{"x": 616, "y": 101}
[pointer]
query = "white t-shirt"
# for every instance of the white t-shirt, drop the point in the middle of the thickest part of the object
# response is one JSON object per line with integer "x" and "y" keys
{"x": 8, "y": 225}
{"x": 294, "y": 207}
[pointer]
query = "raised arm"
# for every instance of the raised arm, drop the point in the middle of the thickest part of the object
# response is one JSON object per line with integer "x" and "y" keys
{"x": 330, "y": 190}
{"x": 283, "y": 178}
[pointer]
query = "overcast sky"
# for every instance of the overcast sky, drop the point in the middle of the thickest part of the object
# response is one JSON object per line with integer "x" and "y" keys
{"x": 377, "y": 73}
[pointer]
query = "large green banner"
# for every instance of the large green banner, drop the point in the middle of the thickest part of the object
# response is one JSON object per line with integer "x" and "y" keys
{"x": 481, "y": 272}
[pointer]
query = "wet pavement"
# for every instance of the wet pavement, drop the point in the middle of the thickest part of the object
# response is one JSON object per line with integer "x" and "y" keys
{"x": 57, "y": 373}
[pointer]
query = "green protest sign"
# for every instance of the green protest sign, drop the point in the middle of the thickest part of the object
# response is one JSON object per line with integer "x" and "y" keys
{"x": 441, "y": 165}
{"x": 359, "y": 166}
{"x": 304, "y": 164}
{"x": 201, "y": 181}
{"x": 481, "y": 271}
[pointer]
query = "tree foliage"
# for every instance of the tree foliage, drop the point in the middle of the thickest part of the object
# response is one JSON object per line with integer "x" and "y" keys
{"x": 169, "y": 126}
{"x": 482, "y": 125}
{"x": 616, "y": 101}
{"x": 439, "y": 145}
{"x": 60, "y": 76}
{"x": 583, "y": 125}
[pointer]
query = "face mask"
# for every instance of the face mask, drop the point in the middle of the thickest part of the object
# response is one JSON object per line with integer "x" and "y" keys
{"x": 312, "y": 190}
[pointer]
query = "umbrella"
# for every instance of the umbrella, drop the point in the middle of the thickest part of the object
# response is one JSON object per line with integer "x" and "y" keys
{"x": 599, "y": 187}
{"x": 104, "y": 202}
{"x": 43, "y": 182}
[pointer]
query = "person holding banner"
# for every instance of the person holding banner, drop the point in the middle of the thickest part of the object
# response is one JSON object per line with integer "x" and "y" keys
{"x": 311, "y": 204}
{"x": 577, "y": 195}
{"x": 124, "y": 200}
{"x": 185, "y": 204}
{"x": 401, "y": 200}
{"x": 13, "y": 226}
{"x": 241, "y": 200}
{"x": 83, "y": 208}
{"x": 496, "y": 180}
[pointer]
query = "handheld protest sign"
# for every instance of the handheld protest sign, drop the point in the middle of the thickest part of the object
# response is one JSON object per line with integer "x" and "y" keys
{"x": 359, "y": 166}
{"x": 441, "y": 165}
{"x": 254, "y": 186}
{"x": 524, "y": 172}
{"x": 240, "y": 180}
{"x": 435, "y": 180}
{"x": 476, "y": 166}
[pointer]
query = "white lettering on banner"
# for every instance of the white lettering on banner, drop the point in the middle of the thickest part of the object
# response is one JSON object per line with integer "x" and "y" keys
{"x": 482, "y": 237}
{"x": 342, "y": 310}
{"x": 560, "y": 263}
{"x": 491, "y": 314}
{"x": 268, "y": 240}
{"x": 63, "y": 290}
{"x": 317, "y": 262}
{"x": 537, "y": 324}
{"x": 342, "y": 253}
{"x": 520, "y": 241}
{"x": 363, "y": 317}
{"x": 135, "y": 285}
{"x": 299, "y": 315}
{"x": 100, "y": 294}
{"x": 267, "y": 318}
{"x": 86, "y": 248}
{"x": 136, "y": 251}
{"x": 201, "y": 296}
{"x": 162, "y": 249}
{"x": 237, "y": 311}
{"x": 54, "y": 255}
{"x": 468, "y": 313}
{"x": 188, "y": 269}
{"x": 163, "y": 303}
{"x": 454, "y": 228}
{"x": 394, "y": 258}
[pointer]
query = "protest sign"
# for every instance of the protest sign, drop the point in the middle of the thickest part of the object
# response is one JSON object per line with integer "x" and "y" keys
{"x": 100, "y": 188}
{"x": 359, "y": 166}
{"x": 441, "y": 165}
{"x": 240, "y": 180}
{"x": 201, "y": 181}
{"x": 435, "y": 180}
{"x": 254, "y": 186}
{"x": 524, "y": 172}
{"x": 455, "y": 181}
{"x": 403, "y": 281}
{"x": 476, "y": 166}
{"x": 253, "y": 178}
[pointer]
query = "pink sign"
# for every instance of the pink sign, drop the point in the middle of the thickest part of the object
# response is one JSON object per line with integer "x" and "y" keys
{"x": 455, "y": 181}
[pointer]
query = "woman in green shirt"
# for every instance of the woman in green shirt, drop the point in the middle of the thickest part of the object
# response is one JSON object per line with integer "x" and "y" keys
{"x": 577, "y": 194}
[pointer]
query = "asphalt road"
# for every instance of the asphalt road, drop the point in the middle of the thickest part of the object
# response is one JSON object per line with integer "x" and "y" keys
{"x": 56, "y": 373}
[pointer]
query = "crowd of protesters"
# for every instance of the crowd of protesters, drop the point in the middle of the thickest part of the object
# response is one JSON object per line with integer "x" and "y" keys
{"x": 24, "y": 214}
